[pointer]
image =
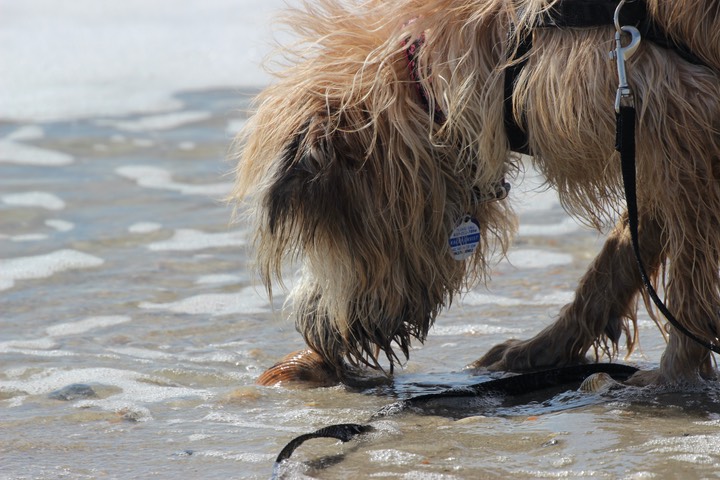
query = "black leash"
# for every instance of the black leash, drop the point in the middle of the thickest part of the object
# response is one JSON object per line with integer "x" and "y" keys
{"x": 342, "y": 431}
{"x": 625, "y": 144}
{"x": 626, "y": 147}
{"x": 436, "y": 403}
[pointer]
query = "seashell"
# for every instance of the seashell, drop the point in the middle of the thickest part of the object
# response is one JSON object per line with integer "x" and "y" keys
{"x": 598, "y": 382}
{"x": 304, "y": 368}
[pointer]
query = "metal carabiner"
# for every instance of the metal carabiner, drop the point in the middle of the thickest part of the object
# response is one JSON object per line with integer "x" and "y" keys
{"x": 621, "y": 54}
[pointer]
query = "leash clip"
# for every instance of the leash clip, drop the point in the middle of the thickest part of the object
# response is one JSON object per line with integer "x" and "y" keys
{"x": 620, "y": 54}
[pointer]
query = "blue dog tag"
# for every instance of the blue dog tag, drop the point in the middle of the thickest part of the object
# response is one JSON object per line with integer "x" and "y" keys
{"x": 464, "y": 238}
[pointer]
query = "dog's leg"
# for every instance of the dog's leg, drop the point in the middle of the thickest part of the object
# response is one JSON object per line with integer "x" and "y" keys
{"x": 692, "y": 298}
{"x": 603, "y": 308}
{"x": 683, "y": 361}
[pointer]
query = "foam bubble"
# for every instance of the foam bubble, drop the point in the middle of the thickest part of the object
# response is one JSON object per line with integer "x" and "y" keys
{"x": 11, "y": 151}
{"x": 477, "y": 299}
{"x": 39, "y": 347}
{"x": 26, "y": 132}
{"x": 43, "y": 266}
{"x": 532, "y": 258}
{"x": 82, "y": 326}
{"x": 34, "y": 199}
{"x": 242, "y": 421}
{"x": 567, "y": 226}
{"x": 165, "y": 121}
{"x": 696, "y": 458}
{"x": 223, "y": 278}
{"x": 234, "y": 126}
{"x": 29, "y": 237}
{"x": 135, "y": 387}
{"x": 21, "y": 154}
{"x": 241, "y": 457}
{"x": 144, "y": 227}
{"x": 31, "y": 344}
{"x": 483, "y": 329}
{"x": 60, "y": 225}
{"x": 393, "y": 457}
{"x": 189, "y": 239}
{"x": 154, "y": 177}
{"x": 142, "y": 353}
{"x": 214, "y": 357}
{"x": 695, "y": 445}
{"x": 555, "y": 298}
{"x": 246, "y": 301}
{"x": 143, "y": 142}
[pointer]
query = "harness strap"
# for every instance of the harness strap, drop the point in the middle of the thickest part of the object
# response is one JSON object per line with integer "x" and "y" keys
{"x": 599, "y": 13}
{"x": 583, "y": 14}
{"x": 592, "y": 13}
{"x": 516, "y": 134}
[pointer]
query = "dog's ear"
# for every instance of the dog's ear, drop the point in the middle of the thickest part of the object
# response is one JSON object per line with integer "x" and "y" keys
{"x": 287, "y": 183}
{"x": 309, "y": 188}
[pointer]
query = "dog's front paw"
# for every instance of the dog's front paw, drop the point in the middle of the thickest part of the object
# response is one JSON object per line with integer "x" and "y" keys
{"x": 304, "y": 368}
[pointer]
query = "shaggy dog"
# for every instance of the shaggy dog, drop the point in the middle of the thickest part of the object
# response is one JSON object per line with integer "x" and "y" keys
{"x": 385, "y": 131}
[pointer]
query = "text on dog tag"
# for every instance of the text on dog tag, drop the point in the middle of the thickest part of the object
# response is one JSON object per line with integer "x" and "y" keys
{"x": 464, "y": 238}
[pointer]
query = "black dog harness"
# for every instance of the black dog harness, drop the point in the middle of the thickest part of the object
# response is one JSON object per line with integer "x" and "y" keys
{"x": 583, "y": 14}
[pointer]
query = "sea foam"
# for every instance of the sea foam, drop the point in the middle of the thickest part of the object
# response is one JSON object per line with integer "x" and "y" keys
{"x": 43, "y": 266}
{"x": 45, "y": 200}
{"x": 190, "y": 239}
{"x": 246, "y": 301}
{"x": 159, "y": 178}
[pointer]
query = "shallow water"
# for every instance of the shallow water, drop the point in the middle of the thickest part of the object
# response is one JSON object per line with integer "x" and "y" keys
{"x": 120, "y": 270}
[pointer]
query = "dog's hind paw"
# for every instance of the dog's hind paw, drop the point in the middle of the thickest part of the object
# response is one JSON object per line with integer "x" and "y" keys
{"x": 525, "y": 356}
{"x": 644, "y": 378}
{"x": 304, "y": 368}
{"x": 516, "y": 356}
{"x": 494, "y": 359}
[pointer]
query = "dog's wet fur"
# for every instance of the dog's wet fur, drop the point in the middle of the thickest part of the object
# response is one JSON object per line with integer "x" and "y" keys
{"x": 346, "y": 170}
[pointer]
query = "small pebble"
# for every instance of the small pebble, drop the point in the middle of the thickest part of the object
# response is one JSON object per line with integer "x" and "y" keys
{"x": 242, "y": 395}
{"x": 72, "y": 392}
{"x": 183, "y": 453}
